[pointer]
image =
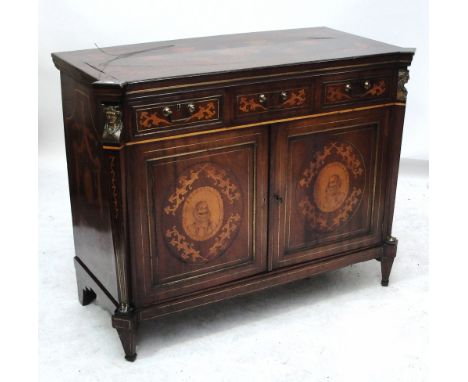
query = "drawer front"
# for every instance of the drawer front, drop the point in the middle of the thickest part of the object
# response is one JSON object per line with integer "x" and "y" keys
{"x": 266, "y": 101}
{"x": 176, "y": 112}
{"x": 361, "y": 87}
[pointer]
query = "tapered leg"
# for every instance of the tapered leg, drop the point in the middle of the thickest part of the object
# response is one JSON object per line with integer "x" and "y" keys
{"x": 126, "y": 326}
{"x": 386, "y": 262}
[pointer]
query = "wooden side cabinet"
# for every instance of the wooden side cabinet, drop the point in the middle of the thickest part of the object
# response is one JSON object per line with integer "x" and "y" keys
{"x": 195, "y": 179}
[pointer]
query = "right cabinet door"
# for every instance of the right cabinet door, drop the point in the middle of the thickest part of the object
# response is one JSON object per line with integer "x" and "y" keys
{"x": 327, "y": 186}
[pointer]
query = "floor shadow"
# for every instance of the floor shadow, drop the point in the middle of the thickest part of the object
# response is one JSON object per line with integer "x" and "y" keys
{"x": 245, "y": 310}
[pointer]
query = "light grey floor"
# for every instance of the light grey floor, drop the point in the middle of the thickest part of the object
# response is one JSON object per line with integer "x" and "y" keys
{"x": 339, "y": 326}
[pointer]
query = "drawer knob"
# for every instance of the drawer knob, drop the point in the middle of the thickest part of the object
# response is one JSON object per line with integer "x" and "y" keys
{"x": 262, "y": 98}
{"x": 367, "y": 85}
{"x": 348, "y": 88}
{"x": 284, "y": 96}
{"x": 191, "y": 108}
{"x": 167, "y": 111}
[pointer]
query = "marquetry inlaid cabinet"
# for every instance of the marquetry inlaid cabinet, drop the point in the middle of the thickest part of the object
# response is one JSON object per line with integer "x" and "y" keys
{"x": 207, "y": 168}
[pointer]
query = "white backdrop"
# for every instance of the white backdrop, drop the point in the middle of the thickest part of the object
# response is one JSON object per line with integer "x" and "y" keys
{"x": 193, "y": 347}
{"x": 71, "y": 25}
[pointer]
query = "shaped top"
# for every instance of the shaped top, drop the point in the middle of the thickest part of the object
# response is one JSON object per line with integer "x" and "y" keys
{"x": 217, "y": 54}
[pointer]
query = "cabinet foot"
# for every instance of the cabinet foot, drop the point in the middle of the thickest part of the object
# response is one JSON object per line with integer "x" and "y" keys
{"x": 89, "y": 288}
{"x": 384, "y": 283}
{"x": 86, "y": 294}
{"x": 386, "y": 262}
{"x": 126, "y": 326}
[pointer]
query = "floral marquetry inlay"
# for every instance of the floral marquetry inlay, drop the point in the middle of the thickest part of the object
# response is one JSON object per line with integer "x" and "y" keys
{"x": 295, "y": 98}
{"x": 202, "y": 215}
{"x": 148, "y": 120}
{"x": 207, "y": 111}
{"x": 276, "y": 100}
{"x": 177, "y": 114}
{"x": 376, "y": 89}
{"x": 339, "y": 93}
{"x": 331, "y": 186}
{"x": 249, "y": 104}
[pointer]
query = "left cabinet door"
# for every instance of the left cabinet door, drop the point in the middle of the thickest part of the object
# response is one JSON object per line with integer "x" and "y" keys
{"x": 197, "y": 212}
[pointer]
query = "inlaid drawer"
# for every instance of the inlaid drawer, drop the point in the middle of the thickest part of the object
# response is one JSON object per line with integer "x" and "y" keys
{"x": 175, "y": 112}
{"x": 360, "y": 87}
{"x": 265, "y": 101}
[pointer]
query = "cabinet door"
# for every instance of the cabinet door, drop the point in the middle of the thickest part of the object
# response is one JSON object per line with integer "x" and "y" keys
{"x": 327, "y": 183}
{"x": 198, "y": 212}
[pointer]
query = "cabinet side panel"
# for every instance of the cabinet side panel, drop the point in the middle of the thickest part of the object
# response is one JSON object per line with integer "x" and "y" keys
{"x": 394, "y": 146}
{"x": 88, "y": 183}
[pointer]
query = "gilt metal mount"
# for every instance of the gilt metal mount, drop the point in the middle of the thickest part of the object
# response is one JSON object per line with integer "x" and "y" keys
{"x": 403, "y": 77}
{"x": 391, "y": 240}
{"x": 113, "y": 123}
{"x": 124, "y": 308}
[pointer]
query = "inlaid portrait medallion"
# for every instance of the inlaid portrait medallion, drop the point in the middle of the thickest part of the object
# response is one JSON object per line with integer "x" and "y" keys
{"x": 331, "y": 187}
{"x": 202, "y": 213}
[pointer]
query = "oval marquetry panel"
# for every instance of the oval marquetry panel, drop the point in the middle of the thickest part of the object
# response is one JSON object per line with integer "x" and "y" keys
{"x": 331, "y": 186}
{"x": 202, "y": 214}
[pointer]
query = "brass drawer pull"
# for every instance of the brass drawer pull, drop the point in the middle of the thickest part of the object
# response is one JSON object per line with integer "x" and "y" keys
{"x": 367, "y": 84}
{"x": 348, "y": 88}
{"x": 284, "y": 96}
{"x": 262, "y": 98}
{"x": 167, "y": 111}
{"x": 191, "y": 108}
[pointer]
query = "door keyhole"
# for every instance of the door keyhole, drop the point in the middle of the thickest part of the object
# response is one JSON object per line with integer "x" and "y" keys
{"x": 278, "y": 198}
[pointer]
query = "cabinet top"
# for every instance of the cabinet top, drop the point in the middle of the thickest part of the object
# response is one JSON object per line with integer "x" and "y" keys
{"x": 219, "y": 54}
